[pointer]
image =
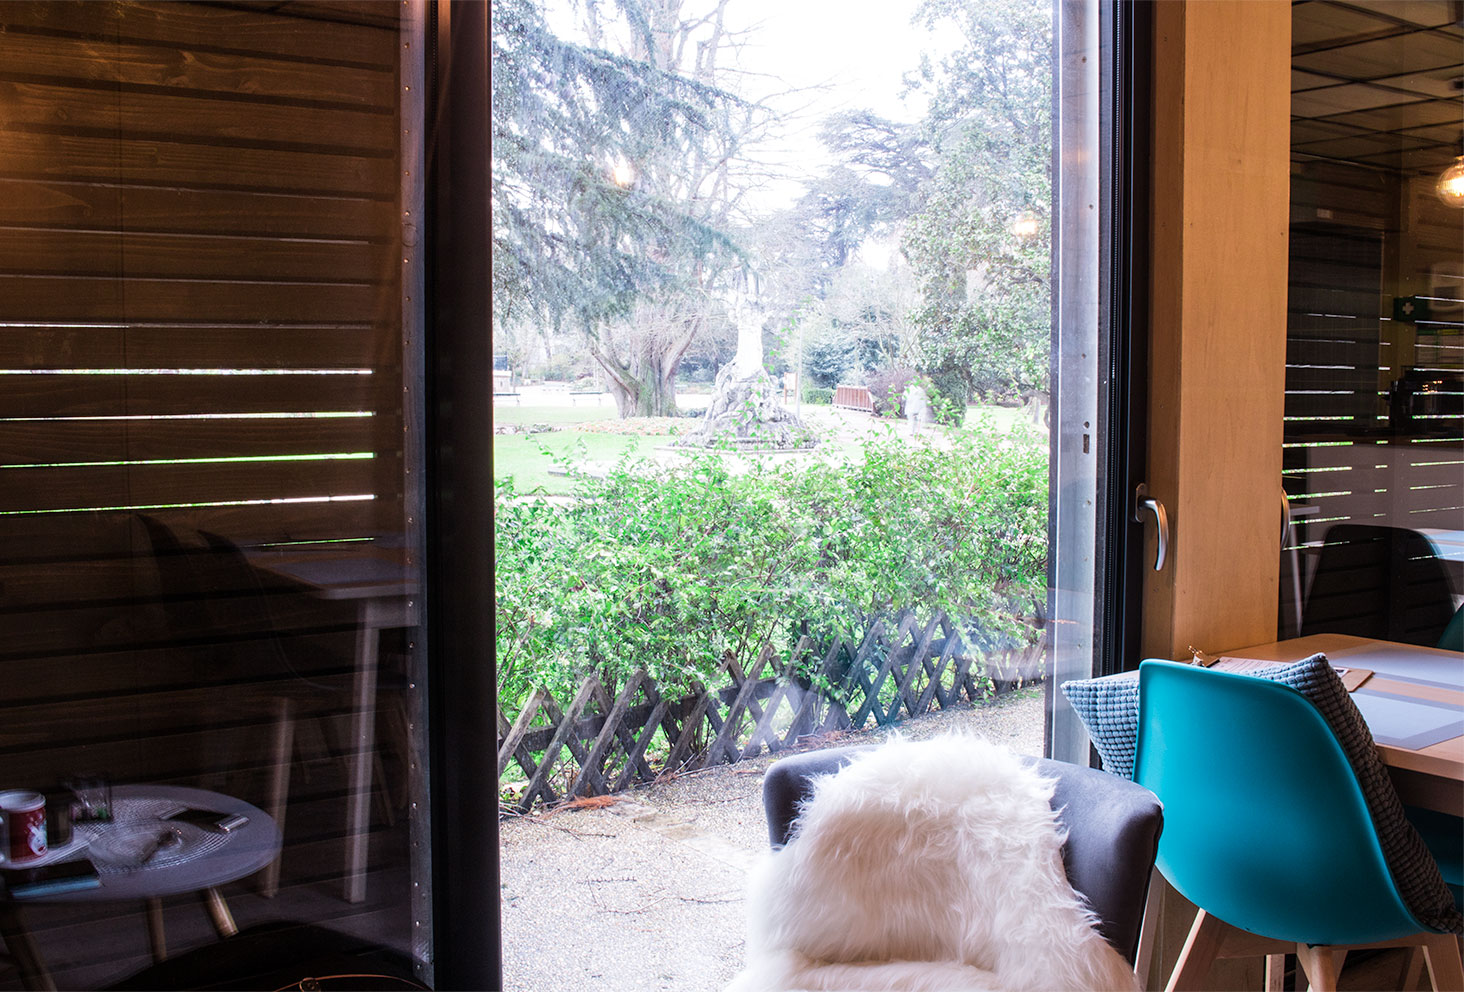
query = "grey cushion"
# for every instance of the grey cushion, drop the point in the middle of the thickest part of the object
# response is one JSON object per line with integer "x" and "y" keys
{"x": 1111, "y": 713}
{"x": 1109, "y": 708}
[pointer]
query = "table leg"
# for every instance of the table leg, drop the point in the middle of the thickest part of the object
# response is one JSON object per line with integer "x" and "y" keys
{"x": 33, "y": 973}
{"x": 157, "y": 934}
{"x": 363, "y": 744}
{"x": 218, "y": 912}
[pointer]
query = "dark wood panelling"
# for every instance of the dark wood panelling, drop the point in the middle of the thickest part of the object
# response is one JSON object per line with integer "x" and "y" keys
{"x": 190, "y": 186}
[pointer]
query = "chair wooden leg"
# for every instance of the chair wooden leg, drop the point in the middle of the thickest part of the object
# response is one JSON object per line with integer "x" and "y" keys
{"x": 218, "y": 912}
{"x": 157, "y": 934}
{"x": 1445, "y": 968}
{"x": 1275, "y": 972}
{"x": 22, "y": 947}
{"x": 1144, "y": 955}
{"x": 1412, "y": 969}
{"x": 1200, "y": 948}
{"x": 279, "y": 787}
{"x": 1320, "y": 966}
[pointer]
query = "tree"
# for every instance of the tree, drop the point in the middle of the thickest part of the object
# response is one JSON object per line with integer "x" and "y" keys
{"x": 641, "y": 353}
{"x": 980, "y": 239}
{"x": 574, "y": 236}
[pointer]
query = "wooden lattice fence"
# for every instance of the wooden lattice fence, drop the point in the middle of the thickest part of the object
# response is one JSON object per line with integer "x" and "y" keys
{"x": 598, "y": 744}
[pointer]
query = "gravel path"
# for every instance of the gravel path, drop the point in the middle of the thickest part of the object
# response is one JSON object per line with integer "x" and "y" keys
{"x": 647, "y": 893}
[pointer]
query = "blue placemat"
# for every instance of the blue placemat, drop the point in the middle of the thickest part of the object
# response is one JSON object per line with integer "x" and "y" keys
{"x": 1405, "y": 721}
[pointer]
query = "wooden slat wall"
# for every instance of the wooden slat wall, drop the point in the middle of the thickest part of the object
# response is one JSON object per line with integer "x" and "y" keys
{"x": 1360, "y": 238}
{"x": 199, "y": 263}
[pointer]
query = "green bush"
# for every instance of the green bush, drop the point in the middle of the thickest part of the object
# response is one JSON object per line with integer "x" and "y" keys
{"x": 818, "y": 396}
{"x": 674, "y": 569}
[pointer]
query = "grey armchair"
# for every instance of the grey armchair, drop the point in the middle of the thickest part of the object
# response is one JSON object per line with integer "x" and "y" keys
{"x": 1112, "y": 828}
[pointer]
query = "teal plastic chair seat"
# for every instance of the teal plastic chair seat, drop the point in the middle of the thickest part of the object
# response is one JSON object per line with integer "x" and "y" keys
{"x": 1265, "y": 826}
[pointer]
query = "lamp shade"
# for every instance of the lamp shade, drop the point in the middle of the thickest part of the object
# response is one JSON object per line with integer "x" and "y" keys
{"x": 1450, "y": 186}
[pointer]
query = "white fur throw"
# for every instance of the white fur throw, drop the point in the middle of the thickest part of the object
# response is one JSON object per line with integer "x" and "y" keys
{"x": 925, "y": 867}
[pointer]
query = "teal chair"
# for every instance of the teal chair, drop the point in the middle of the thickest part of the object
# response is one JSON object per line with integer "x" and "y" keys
{"x": 1266, "y": 829}
{"x": 1452, "y": 638}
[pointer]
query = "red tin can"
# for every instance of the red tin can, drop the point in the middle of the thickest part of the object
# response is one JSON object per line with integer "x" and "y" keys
{"x": 22, "y": 825}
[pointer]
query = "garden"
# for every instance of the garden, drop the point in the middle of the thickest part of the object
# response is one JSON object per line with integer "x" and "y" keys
{"x": 702, "y": 574}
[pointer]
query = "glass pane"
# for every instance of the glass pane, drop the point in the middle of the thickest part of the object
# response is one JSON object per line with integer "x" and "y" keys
{"x": 211, "y": 565}
{"x": 773, "y": 335}
{"x": 1374, "y": 432}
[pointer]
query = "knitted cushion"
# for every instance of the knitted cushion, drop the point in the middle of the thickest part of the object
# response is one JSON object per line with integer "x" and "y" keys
{"x": 1109, "y": 708}
{"x": 1111, "y": 714}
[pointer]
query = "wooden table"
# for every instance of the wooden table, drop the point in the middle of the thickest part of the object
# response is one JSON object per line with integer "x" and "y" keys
{"x": 1431, "y": 776}
{"x": 385, "y": 590}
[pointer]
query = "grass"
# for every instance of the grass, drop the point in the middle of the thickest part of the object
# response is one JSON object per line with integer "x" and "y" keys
{"x": 523, "y": 455}
{"x": 508, "y": 414}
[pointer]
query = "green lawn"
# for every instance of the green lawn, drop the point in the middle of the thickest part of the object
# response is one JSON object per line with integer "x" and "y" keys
{"x": 509, "y": 414}
{"x": 523, "y": 455}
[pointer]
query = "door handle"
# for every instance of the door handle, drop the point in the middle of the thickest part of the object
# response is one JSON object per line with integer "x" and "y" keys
{"x": 1143, "y": 501}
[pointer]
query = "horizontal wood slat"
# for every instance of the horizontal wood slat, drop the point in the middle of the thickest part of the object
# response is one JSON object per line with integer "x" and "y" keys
{"x": 47, "y": 156}
{"x": 90, "y": 441}
{"x": 62, "y": 298}
{"x": 166, "y": 117}
{"x": 130, "y": 255}
{"x": 114, "y": 395}
{"x": 225, "y": 29}
{"x": 102, "y": 205}
{"x": 231, "y": 75}
{"x": 197, "y": 346}
{"x": 31, "y": 489}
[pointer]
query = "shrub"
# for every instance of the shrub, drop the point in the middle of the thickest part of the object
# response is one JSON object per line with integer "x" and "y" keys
{"x": 818, "y": 396}
{"x": 674, "y": 569}
{"x": 887, "y": 389}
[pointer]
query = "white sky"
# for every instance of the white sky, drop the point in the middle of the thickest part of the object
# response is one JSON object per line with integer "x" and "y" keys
{"x": 839, "y": 55}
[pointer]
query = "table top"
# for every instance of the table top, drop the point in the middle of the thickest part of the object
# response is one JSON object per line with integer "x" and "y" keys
{"x": 202, "y": 858}
{"x": 1429, "y": 680}
{"x": 343, "y": 573}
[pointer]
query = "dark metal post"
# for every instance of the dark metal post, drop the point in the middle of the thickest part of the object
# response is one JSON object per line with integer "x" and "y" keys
{"x": 460, "y": 534}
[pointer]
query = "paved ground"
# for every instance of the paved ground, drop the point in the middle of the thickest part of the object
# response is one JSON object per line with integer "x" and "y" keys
{"x": 646, "y": 894}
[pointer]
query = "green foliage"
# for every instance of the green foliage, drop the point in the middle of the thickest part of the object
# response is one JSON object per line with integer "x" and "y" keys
{"x": 674, "y": 569}
{"x": 984, "y": 275}
{"x": 818, "y": 395}
{"x": 887, "y": 389}
{"x": 568, "y": 240}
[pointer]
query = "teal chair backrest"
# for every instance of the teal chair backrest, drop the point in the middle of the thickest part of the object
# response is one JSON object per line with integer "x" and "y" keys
{"x": 1265, "y": 825}
{"x": 1452, "y": 638}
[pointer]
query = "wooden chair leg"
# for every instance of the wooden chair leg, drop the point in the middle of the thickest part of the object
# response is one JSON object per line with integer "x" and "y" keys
{"x": 1275, "y": 972}
{"x": 218, "y": 912}
{"x": 1144, "y": 955}
{"x": 1200, "y": 948}
{"x": 1320, "y": 966}
{"x": 22, "y": 947}
{"x": 279, "y": 786}
{"x": 1412, "y": 969}
{"x": 1445, "y": 968}
{"x": 157, "y": 934}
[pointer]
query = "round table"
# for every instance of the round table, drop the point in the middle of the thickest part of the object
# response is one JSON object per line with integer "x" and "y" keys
{"x": 203, "y": 861}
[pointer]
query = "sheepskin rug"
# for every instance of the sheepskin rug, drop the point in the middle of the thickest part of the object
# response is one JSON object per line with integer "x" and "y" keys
{"x": 926, "y": 867}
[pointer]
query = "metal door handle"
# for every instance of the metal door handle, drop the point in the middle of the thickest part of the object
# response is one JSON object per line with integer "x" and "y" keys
{"x": 1142, "y": 502}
